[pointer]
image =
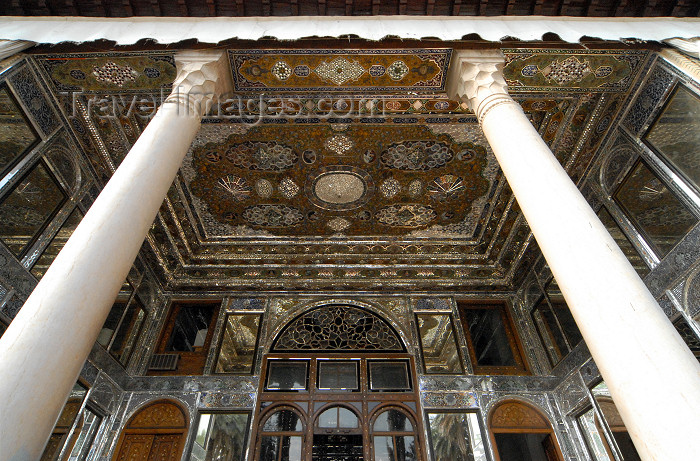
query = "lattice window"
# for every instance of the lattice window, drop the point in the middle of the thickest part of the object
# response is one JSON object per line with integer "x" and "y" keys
{"x": 338, "y": 328}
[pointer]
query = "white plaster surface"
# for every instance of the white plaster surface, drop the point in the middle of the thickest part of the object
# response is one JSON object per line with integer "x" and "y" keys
{"x": 127, "y": 31}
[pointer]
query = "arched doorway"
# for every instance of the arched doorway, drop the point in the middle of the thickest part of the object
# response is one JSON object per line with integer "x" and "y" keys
{"x": 519, "y": 432}
{"x": 155, "y": 433}
{"x": 342, "y": 376}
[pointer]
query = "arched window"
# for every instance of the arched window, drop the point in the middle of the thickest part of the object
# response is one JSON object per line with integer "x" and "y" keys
{"x": 393, "y": 436}
{"x": 337, "y": 418}
{"x": 337, "y": 435}
{"x": 281, "y": 436}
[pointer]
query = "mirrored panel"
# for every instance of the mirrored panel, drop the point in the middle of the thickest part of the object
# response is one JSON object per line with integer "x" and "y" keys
{"x": 238, "y": 344}
{"x": 87, "y": 430}
{"x": 28, "y": 207}
{"x": 62, "y": 430}
{"x": 338, "y": 375}
{"x": 388, "y": 375}
{"x": 16, "y": 133}
{"x": 653, "y": 209}
{"x": 128, "y": 331}
{"x": 287, "y": 375}
{"x": 115, "y": 314}
{"x": 623, "y": 442}
{"x": 493, "y": 346}
{"x": 623, "y": 242}
{"x": 190, "y": 328}
{"x": 688, "y": 335}
{"x": 594, "y": 436}
{"x": 221, "y": 437}
{"x": 57, "y": 243}
{"x": 438, "y": 344}
{"x": 676, "y": 134}
{"x": 456, "y": 436}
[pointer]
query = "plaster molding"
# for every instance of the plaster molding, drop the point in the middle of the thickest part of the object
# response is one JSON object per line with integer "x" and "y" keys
{"x": 202, "y": 77}
{"x": 476, "y": 77}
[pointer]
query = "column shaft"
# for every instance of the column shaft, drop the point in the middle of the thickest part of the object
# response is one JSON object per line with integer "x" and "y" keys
{"x": 636, "y": 348}
{"x": 44, "y": 348}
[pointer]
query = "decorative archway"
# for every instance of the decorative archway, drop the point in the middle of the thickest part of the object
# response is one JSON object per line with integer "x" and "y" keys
{"x": 157, "y": 432}
{"x": 516, "y": 426}
{"x": 335, "y": 365}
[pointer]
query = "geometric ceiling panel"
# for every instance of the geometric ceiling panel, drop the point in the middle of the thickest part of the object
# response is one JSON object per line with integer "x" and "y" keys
{"x": 325, "y": 173}
{"x": 110, "y": 72}
{"x": 572, "y": 70}
{"x": 324, "y": 179}
{"x": 365, "y": 71}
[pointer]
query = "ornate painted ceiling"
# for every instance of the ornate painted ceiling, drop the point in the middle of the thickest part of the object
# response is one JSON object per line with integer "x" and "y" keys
{"x": 342, "y": 168}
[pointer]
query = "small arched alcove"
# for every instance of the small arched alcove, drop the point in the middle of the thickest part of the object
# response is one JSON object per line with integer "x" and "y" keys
{"x": 521, "y": 432}
{"x": 157, "y": 431}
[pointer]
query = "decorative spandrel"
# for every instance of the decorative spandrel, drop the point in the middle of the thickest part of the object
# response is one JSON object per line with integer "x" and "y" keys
{"x": 338, "y": 328}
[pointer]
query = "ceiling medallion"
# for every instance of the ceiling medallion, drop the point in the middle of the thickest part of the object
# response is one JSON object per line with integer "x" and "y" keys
{"x": 338, "y": 224}
{"x": 339, "y": 187}
{"x": 264, "y": 188}
{"x": 236, "y": 186}
{"x": 288, "y": 188}
{"x": 340, "y": 70}
{"x": 339, "y": 144}
{"x": 446, "y": 187}
{"x": 390, "y": 187}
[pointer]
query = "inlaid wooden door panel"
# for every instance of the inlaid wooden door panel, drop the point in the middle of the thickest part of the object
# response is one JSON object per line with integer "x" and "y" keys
{"x": 165, "y": 448}
{"x": 135, "y": 447}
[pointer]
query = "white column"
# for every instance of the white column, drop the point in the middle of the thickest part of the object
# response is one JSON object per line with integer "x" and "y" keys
{"x": 653, "y": 377}
{"x": 44, "y": 348}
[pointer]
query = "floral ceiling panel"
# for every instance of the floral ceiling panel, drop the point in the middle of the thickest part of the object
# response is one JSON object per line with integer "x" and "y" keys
{"x": 354, "y": 179}
{"x": 300, "y": 70}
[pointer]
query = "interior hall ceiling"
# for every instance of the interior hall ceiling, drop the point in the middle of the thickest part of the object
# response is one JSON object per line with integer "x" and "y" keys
{"x": 211, "y": 8}
{"x": 343, "y": 168}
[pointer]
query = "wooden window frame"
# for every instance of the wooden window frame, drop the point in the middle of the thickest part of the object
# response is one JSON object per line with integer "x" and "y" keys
{"x": 190, "y": 363}
{"x": 310, "y": 403}
{"x": 394, "y": 434}
{"x": 522, "y": 367}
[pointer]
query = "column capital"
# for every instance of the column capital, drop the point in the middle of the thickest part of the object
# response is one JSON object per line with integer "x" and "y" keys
{"x": 476, "y": 77}
{"x": 202, "y": 77}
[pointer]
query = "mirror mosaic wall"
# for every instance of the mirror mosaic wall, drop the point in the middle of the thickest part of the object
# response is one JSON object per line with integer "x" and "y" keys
{"x": 476, "y": 314}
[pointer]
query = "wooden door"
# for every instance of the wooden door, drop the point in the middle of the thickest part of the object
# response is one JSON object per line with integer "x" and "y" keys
{"x": 155, "y": 433}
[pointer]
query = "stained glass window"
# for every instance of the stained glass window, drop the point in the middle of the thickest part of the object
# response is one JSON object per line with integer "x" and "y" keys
{"x": 336, "y": 328}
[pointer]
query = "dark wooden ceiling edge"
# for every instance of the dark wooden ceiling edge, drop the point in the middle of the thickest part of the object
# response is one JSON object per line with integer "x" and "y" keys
{"x": 467, "y": 42}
